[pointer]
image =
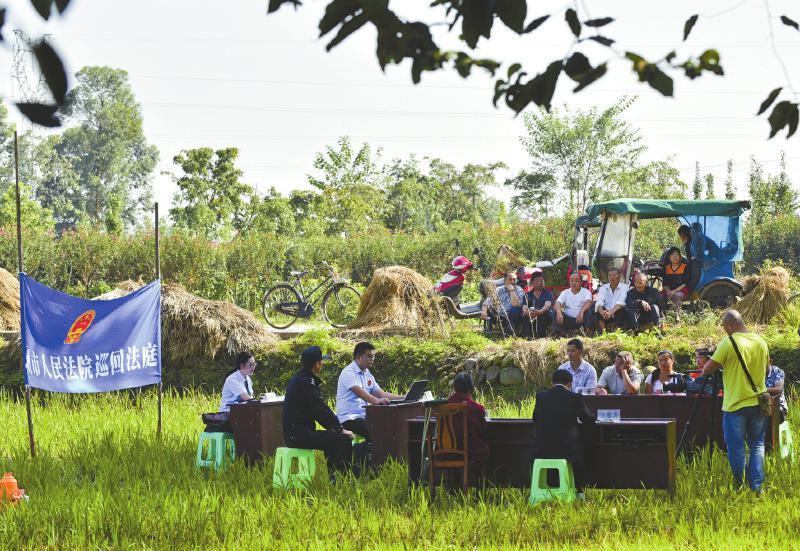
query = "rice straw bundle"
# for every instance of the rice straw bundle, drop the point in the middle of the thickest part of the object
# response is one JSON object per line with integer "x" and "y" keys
{"x": 398, "y": 300}
{"x": 9, "y": 301}
{"x": 507, "y": 261}
{"x": 193, "y": 328}
{"x": 767, "y": 297}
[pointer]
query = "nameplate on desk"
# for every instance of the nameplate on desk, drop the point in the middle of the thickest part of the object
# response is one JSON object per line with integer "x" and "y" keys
{"x": 608, "y": 416}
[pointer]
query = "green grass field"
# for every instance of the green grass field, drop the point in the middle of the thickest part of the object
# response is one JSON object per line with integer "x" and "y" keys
{"x": 102, "y": 480}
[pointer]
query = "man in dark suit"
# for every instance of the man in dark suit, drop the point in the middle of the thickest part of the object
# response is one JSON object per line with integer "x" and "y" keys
{"x": 555, "y": 417}
{"x": 303, "y": 408}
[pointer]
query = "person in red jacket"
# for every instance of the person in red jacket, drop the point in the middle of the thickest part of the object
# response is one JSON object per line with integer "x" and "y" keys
{"x": 476, "y": 417}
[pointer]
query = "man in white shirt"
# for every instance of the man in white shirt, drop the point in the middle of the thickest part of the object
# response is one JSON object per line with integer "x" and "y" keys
{"x": 572, "y": 307}
{"x": 620, "y": 378}
{"x": 610, "y": 302}
{"x": 238, "y": 386}
{"x": 357, "y": 388}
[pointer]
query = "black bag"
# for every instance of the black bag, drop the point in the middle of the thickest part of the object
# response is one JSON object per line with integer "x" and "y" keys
{"x": 764, "y": 398}
{"x": 217, "y": 422}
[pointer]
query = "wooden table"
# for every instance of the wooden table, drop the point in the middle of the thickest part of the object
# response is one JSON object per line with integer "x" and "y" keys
{"x": 388, "y": 428}
{"x": 679, "y": 407}
{"x": 633, "y": 454}
{"x": 257, "y": 429}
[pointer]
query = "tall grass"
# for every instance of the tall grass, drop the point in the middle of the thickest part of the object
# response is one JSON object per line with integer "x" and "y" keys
{"x": 101, "y": 479}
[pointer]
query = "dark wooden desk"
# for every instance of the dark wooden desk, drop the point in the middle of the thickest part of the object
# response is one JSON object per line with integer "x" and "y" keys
{"x": 257, "y": 429}
{"x": 388, "y": 428}
{"x": 634, "y": 453}
{"x": 679, "y": 407}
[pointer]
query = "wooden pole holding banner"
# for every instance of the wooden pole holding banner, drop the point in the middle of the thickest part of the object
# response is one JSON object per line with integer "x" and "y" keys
{"x": 19, "y": 262}
{"x": 158, "y": 276}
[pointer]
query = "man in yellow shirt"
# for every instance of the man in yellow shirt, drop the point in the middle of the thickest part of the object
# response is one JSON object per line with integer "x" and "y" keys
{"x": 742, "y": 421}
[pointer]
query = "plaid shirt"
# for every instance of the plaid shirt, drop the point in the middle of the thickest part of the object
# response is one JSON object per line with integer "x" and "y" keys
{"x": 504, "y": 295}
{"x": 584, "y": 377}
{"x": 774, "y": 376}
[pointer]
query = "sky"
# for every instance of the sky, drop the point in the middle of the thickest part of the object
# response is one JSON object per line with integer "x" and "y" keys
{"x": 226, "y": 74}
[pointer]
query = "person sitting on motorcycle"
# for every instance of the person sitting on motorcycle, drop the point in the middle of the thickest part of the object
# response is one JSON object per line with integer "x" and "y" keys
{"x": 508, "y": 307}
{"x": 538, "y": 310}
{"x": 453, "y": 281}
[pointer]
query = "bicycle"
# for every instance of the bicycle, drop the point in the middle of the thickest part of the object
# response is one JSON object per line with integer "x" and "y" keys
{"x": 284, "y": 303}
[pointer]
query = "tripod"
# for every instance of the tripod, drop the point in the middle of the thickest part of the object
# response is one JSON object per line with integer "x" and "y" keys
{"x": 712, "y": 417}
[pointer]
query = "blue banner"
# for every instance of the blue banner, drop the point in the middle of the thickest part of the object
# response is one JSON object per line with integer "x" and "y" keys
{"x": 77, "y": 345}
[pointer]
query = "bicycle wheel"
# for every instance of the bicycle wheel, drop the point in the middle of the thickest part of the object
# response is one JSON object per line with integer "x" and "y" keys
{"x": 340, "y": 305}
{"x": 281, "y": 306}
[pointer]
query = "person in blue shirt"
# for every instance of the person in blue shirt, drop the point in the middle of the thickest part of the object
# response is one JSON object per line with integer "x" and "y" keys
{"x": 357, "y": 387}
{"x": 539, "y": 307}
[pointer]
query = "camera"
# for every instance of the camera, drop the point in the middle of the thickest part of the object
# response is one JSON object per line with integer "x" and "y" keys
{"x": 703, "y": 384}
{"x": 677, "y": 383}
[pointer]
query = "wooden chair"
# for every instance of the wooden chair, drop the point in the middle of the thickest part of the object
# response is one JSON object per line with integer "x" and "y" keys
{"x": 451, "y": 450}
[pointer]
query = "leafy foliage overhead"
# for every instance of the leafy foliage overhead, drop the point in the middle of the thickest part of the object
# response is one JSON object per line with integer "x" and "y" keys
{"x": 399, "y": 39}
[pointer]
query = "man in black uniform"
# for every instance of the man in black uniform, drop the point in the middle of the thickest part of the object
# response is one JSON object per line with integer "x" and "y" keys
{"x": 303, "y": 406}
{"x": 555, "y": 417}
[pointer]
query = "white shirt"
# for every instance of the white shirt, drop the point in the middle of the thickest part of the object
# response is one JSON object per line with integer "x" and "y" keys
{"x": 608, "y": 298}
{"x": 235, "y": 385}
{"x": 572, "y": 303}
{"x": 658, "y": 386}
{"x": 348, "y": 404}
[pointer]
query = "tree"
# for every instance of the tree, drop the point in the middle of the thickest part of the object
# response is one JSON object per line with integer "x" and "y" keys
{"x": 697, "y": 184}
{"x": 730, "y": 192}
{"x": 106, "y": 148}
{"x": 710, "y": 194}
{"x": 32, "y": 215}
{"x": 210, "y": 194}
{"x": 411, "y": 203}
{"x": 351, "y": 197}
{"x": 399, "y": 38}
{"x": 757, "y": 186}
{"x": 583, "y": 151}
{"x": 654, "y": 180}
{"x": 271, "y": 213}
{"x": 784, "y": 197}
{"x": 462, "y": 193}
{"x": 535, "y": 192}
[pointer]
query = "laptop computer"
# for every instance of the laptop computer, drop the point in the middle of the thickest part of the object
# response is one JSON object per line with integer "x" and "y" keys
{"x": 414, "y": 393}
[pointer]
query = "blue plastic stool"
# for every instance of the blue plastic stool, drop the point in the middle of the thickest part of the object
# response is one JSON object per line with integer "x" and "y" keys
{"x": 285, "y": 476}
{"x": 785, "y": 441}
{"x": 541, "y": 492}
{"x": 218, "y": 453}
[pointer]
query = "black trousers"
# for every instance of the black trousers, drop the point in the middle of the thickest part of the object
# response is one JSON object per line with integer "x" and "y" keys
{"x": 359, "y": 427}
{"x": 338, "y": 447}
{"x": 640, "y": 317}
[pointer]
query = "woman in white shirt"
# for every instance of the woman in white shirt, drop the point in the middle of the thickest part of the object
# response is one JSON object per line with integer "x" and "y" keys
{"x": 238, "y": 386}
{"x": 654, "y": 384}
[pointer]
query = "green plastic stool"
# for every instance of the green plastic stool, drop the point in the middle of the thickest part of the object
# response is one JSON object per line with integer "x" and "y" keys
{"x": 218, "y": 450}
{"x": 284, "y": 476}
{"x": 785, "y": 441}
{"x": 357, "y": 439}
{"x": 541, "y": 492}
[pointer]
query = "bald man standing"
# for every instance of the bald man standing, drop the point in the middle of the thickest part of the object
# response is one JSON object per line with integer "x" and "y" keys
{"x": 740, "y": 353}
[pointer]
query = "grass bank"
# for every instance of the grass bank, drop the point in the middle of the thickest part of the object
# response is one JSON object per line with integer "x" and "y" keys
{"x": 102, "y": 480}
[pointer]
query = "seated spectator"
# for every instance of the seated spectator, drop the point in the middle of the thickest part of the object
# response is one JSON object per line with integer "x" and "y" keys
{"x": 774, "y": 382}
{"x": 538, "y": 310}
{"x": 572, "y": 307}
{"x": 238, "y": 385}
{"x": 463, "y": 387}
{"x": 584, "y": 376}
{"x": 555, "y": 416}
{"x": 509, "y": 304}
{"x": 663, "y": 374}
{"x": 701, "y": 357}
{"x": 620, "y": 378}
{"x": 676, "y": 280}
{"x": 643, "y": 304}
{"x": 610, "y": 302}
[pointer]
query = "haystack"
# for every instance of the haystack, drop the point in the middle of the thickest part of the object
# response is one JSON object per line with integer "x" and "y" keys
{"x": 508, "y": 260}
{"x": 766, "y": 295}
{"x": 9, "y": 301}
{"x": 194, "y": 328}
{"x": 398, "y": 300}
